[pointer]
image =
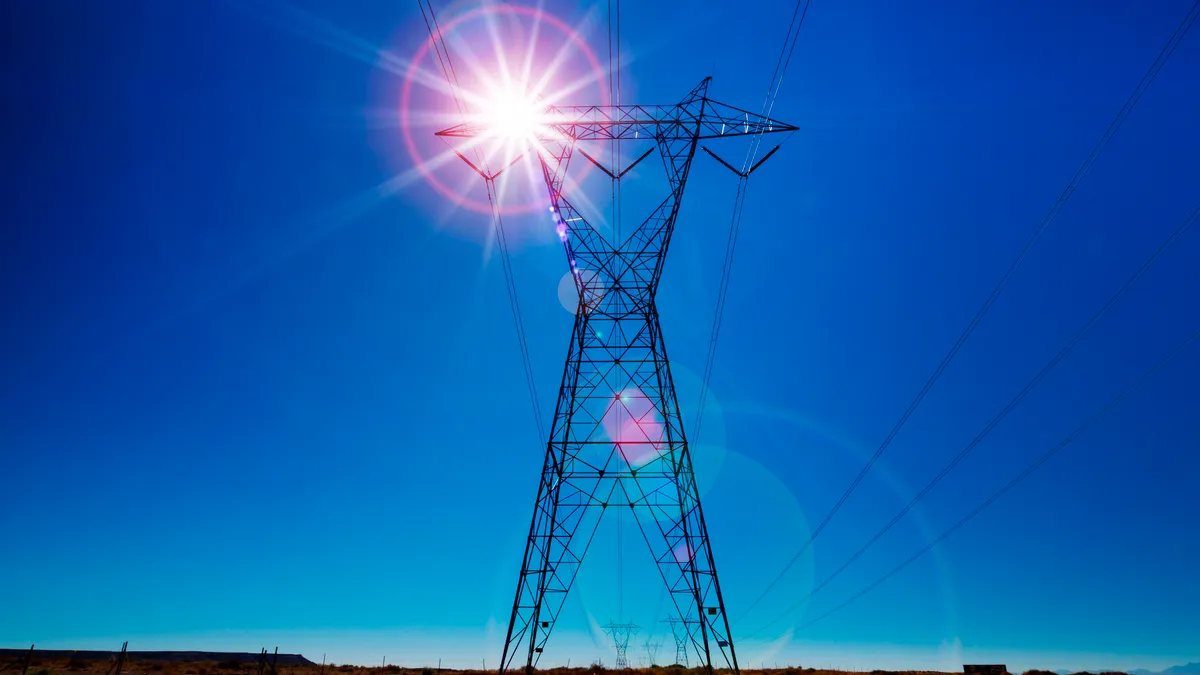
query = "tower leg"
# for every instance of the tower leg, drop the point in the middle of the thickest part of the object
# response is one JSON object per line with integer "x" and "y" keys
{"x": 560, "y": 530}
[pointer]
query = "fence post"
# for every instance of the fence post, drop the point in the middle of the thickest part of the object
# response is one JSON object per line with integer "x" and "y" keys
{"x": 28, "y": 659}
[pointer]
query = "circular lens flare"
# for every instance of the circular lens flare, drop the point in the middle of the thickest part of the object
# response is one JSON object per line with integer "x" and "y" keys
{"x": 633, "y": 423}
{"x": 594, "y": 289}
{"x": 683, "y": 553}
{"x": 510, "y": 64}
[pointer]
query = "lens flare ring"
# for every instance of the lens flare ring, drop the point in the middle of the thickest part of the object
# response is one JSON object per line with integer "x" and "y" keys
{"x": 509, "y": 107}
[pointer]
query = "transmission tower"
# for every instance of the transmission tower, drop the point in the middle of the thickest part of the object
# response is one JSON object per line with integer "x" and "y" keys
{"x": 617, "y": 438}
{"x": 620, "y": 633}
{"x": 652, "y": 651}
{"x": 682, "y": 640}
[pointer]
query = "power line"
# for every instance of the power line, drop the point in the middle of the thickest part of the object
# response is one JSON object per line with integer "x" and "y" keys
{"x": 614, "y": 97}
{"x": 1012, "y": 404}
{"x": 739, "y": 201}
{"x": 514, "y": 305}
{"x": 447, "y": 65}
{"x": 1147, "y": 78}
{"x": 781, "y": 65}
{"x": 620, "y": 201}
{"x": 1013, "y": 483}
{"x": 443, "y": 55}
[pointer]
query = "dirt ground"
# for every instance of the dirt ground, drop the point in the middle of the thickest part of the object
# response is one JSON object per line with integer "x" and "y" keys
{"x": 66, "y": 666}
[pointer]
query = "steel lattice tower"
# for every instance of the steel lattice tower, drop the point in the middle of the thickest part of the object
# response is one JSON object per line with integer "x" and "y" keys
{"x": 680, "y": 633}
{"x": 652, "y": 652}
{"x": 617, "y": 438}
{"x": 620, "y": 633}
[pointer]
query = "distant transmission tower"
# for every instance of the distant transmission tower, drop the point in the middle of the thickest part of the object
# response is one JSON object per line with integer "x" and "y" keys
{"x": 682, "y": 640}
{"x": 620, "y": 633}
{"x": 617, "y": 437}
{"x": 652, "y": 651}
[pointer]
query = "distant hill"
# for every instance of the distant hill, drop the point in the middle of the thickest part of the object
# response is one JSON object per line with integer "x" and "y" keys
{"x": 1186, "y": 669}
{"x": 160, "y": 657}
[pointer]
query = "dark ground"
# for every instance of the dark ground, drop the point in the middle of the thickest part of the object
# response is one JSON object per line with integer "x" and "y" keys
{"x": 65, "y": 662}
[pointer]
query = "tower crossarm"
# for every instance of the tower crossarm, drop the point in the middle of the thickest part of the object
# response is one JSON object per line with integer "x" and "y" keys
{"x": 697, "y": 119}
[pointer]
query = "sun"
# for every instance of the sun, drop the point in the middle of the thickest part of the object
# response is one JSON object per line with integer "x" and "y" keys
{"x": 513, "y": 116}
{"x": 513, "y": 67}
{"x": 514, "y": 120}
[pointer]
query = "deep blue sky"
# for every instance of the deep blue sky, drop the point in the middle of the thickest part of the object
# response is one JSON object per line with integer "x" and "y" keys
{"x": 245, "y": 400}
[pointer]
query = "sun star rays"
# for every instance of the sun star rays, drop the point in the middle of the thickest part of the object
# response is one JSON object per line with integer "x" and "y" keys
{"x": 507, "y": 65}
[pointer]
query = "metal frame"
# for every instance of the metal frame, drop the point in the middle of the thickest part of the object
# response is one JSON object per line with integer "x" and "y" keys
{"x": 620, "y": 633}
{"x": 264, "y": 665}
{"x": 617, "y": 438}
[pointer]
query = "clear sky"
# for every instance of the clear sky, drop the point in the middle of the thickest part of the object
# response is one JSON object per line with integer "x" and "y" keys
{"x": 249, "y": 397}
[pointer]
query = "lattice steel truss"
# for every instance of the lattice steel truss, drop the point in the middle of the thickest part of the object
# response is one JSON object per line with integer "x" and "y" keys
{"x": 652, "y": 652}
{"x": 680, "y": 632}
{"x": 617, "y": 439}
{"x": 620, "y": 633}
